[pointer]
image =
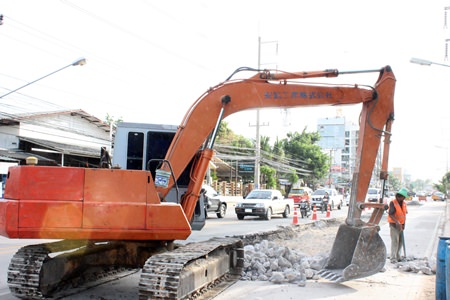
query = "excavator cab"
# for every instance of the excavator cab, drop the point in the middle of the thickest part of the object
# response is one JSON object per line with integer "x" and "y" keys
{"x": 142, "y": 146}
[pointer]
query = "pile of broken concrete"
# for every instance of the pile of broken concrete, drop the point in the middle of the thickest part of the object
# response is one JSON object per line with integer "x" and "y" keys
{"x": 270, "y": 260}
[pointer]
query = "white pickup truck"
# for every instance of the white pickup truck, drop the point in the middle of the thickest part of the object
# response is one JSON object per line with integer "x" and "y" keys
{"x": 264, "y": 203}
{"x": 336, "y": 199}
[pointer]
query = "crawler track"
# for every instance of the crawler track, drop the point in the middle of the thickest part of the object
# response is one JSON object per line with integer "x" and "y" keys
{"x": 51, "y": 269}
{"x": 65, "y": 268}
{"x": 192, "y": 270}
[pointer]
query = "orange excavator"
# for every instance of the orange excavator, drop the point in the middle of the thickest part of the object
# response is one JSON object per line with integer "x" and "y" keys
{"x": 107, "y": 219}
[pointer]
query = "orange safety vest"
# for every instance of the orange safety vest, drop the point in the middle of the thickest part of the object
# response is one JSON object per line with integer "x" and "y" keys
{"x": 400, "y": 212}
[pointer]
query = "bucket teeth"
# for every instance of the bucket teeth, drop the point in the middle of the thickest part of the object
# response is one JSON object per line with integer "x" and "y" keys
{"x": 329, "y": 275}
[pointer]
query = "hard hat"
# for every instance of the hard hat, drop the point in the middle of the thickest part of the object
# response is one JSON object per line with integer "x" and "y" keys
{"x": 403, "y": 192}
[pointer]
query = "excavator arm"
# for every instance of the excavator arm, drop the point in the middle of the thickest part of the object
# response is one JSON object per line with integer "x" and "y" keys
{"x": 281, "y": 90}
{"x": 358, "y": 250}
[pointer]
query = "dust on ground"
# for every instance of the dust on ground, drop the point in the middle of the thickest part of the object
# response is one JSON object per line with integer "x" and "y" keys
{"x": 315, "y": 240}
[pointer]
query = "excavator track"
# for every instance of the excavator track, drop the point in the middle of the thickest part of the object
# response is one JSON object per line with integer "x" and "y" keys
{"x": 24, "y": 270}
{"x": 65, "y": 267}
{"x": 193, "y": 270}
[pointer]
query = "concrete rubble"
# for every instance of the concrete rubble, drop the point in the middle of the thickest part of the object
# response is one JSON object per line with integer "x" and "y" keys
{"x": 270, "y": 260}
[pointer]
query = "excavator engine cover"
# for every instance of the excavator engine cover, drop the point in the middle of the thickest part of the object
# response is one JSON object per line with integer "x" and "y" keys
{"x": 357, "y": 252}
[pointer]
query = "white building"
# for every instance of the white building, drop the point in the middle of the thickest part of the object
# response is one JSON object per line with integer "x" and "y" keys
{"x": 339, "y": 139}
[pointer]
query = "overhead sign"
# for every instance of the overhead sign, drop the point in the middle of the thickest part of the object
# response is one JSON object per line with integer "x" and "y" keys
{"x": 246, "y": 167}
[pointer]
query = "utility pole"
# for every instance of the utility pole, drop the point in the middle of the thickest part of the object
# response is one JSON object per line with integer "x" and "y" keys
{"x": 257, "y": 140}
{"x": 331, "y": 167}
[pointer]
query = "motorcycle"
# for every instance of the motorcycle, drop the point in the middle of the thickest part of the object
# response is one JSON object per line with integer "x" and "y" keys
{"x": 305, "y": 208}
{"x": 324, "y": 206}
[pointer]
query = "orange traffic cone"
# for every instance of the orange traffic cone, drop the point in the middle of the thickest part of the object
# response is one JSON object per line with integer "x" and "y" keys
{"x": 314, "y": 215}
{"x": 295, "y": 218}
{"x": 328, "y": 211}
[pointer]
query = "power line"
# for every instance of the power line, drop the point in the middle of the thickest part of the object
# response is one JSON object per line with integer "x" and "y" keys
{"x": 227, "y": 152}
{"x": 133, "y": 34}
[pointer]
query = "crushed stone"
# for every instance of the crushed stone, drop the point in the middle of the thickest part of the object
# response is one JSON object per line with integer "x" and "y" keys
{"x": 295, "y": 254}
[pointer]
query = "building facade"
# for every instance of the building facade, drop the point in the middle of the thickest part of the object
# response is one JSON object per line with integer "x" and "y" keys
{"x": 62, "y": 138}
{"x": 339, "y": 139}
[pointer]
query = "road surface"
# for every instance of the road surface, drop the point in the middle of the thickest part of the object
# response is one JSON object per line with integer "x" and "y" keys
{"x": 424, "y": 221}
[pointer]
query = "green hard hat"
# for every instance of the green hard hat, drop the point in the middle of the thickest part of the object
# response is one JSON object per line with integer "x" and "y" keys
{"x": 403, "y": 192}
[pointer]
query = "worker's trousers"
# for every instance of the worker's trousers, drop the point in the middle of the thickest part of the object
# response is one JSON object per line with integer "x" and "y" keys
{"x": 396, "y": 242}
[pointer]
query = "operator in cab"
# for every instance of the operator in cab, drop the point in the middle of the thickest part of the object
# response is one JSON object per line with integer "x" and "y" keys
{"x": 396, "y": 218}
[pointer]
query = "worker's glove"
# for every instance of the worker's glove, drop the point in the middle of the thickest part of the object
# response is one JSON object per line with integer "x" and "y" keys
{"x": 399, "y": 226}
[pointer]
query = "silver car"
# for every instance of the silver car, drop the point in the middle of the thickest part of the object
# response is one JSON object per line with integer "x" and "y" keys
{"x": 213, "y": 201}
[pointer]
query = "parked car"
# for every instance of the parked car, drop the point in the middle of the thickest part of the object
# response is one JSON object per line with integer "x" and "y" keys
{"x": 373, "y": 195}
{"x": 299, "y": 194}
{"x": 421, "y": 196}
{"x": 213, "y": 201}
{"x": 438, "y": 196}
{"x": 390, "y": 196}
{"x": 264, "y": 203}
{"x": 411, "y": 195}
{"x": 347, "y": 198}
{"x": 336, "y": 200}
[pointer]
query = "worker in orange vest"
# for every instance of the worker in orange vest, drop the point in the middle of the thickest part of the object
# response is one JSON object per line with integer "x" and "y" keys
{"x": 396, "y": 218}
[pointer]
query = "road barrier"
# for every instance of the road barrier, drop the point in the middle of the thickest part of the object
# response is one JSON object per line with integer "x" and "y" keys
{"x": 314, "y": 215}
{"x": 328, "y": 211}
{"x": 295, "y": 218}
{"x": 442, "y": 269}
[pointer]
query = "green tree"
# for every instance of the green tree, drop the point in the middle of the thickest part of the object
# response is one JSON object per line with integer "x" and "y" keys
{"x": 303, "y": 147}
{"x": 444, "y": 184}
{"x": 224, "y": 133}
{"x": 293, "y": 177}
{"x": 393, "y": 182}
{"x": 269, "y": 176}
{"x": 226, "y": 136}
{"x": 278, "y": 149}
{"x": 264, "y": 143}
{"x": 111, "y": 120}
{"x": 242, "y": 142}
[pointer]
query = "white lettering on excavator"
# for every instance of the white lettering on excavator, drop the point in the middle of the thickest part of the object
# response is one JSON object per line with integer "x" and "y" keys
{"x": 297, "y": 95}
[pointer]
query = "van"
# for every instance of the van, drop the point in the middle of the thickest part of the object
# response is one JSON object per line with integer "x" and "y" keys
{"x": 373, "y": 195}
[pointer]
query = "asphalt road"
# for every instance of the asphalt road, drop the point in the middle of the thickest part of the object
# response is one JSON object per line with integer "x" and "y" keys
{"x": 424, "y": 221}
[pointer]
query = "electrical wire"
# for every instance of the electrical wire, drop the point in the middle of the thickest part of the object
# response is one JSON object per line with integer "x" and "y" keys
{"x": 133, "y": 34}
{"x": 285, "y": 165}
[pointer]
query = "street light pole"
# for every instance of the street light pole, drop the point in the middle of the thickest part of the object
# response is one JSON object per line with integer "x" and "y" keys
{"x": 425, "y": 62}
{"x": 78, "y": 62}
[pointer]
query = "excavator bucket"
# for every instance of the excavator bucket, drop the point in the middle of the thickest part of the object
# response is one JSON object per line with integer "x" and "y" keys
{"x": 357, "y": 252}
